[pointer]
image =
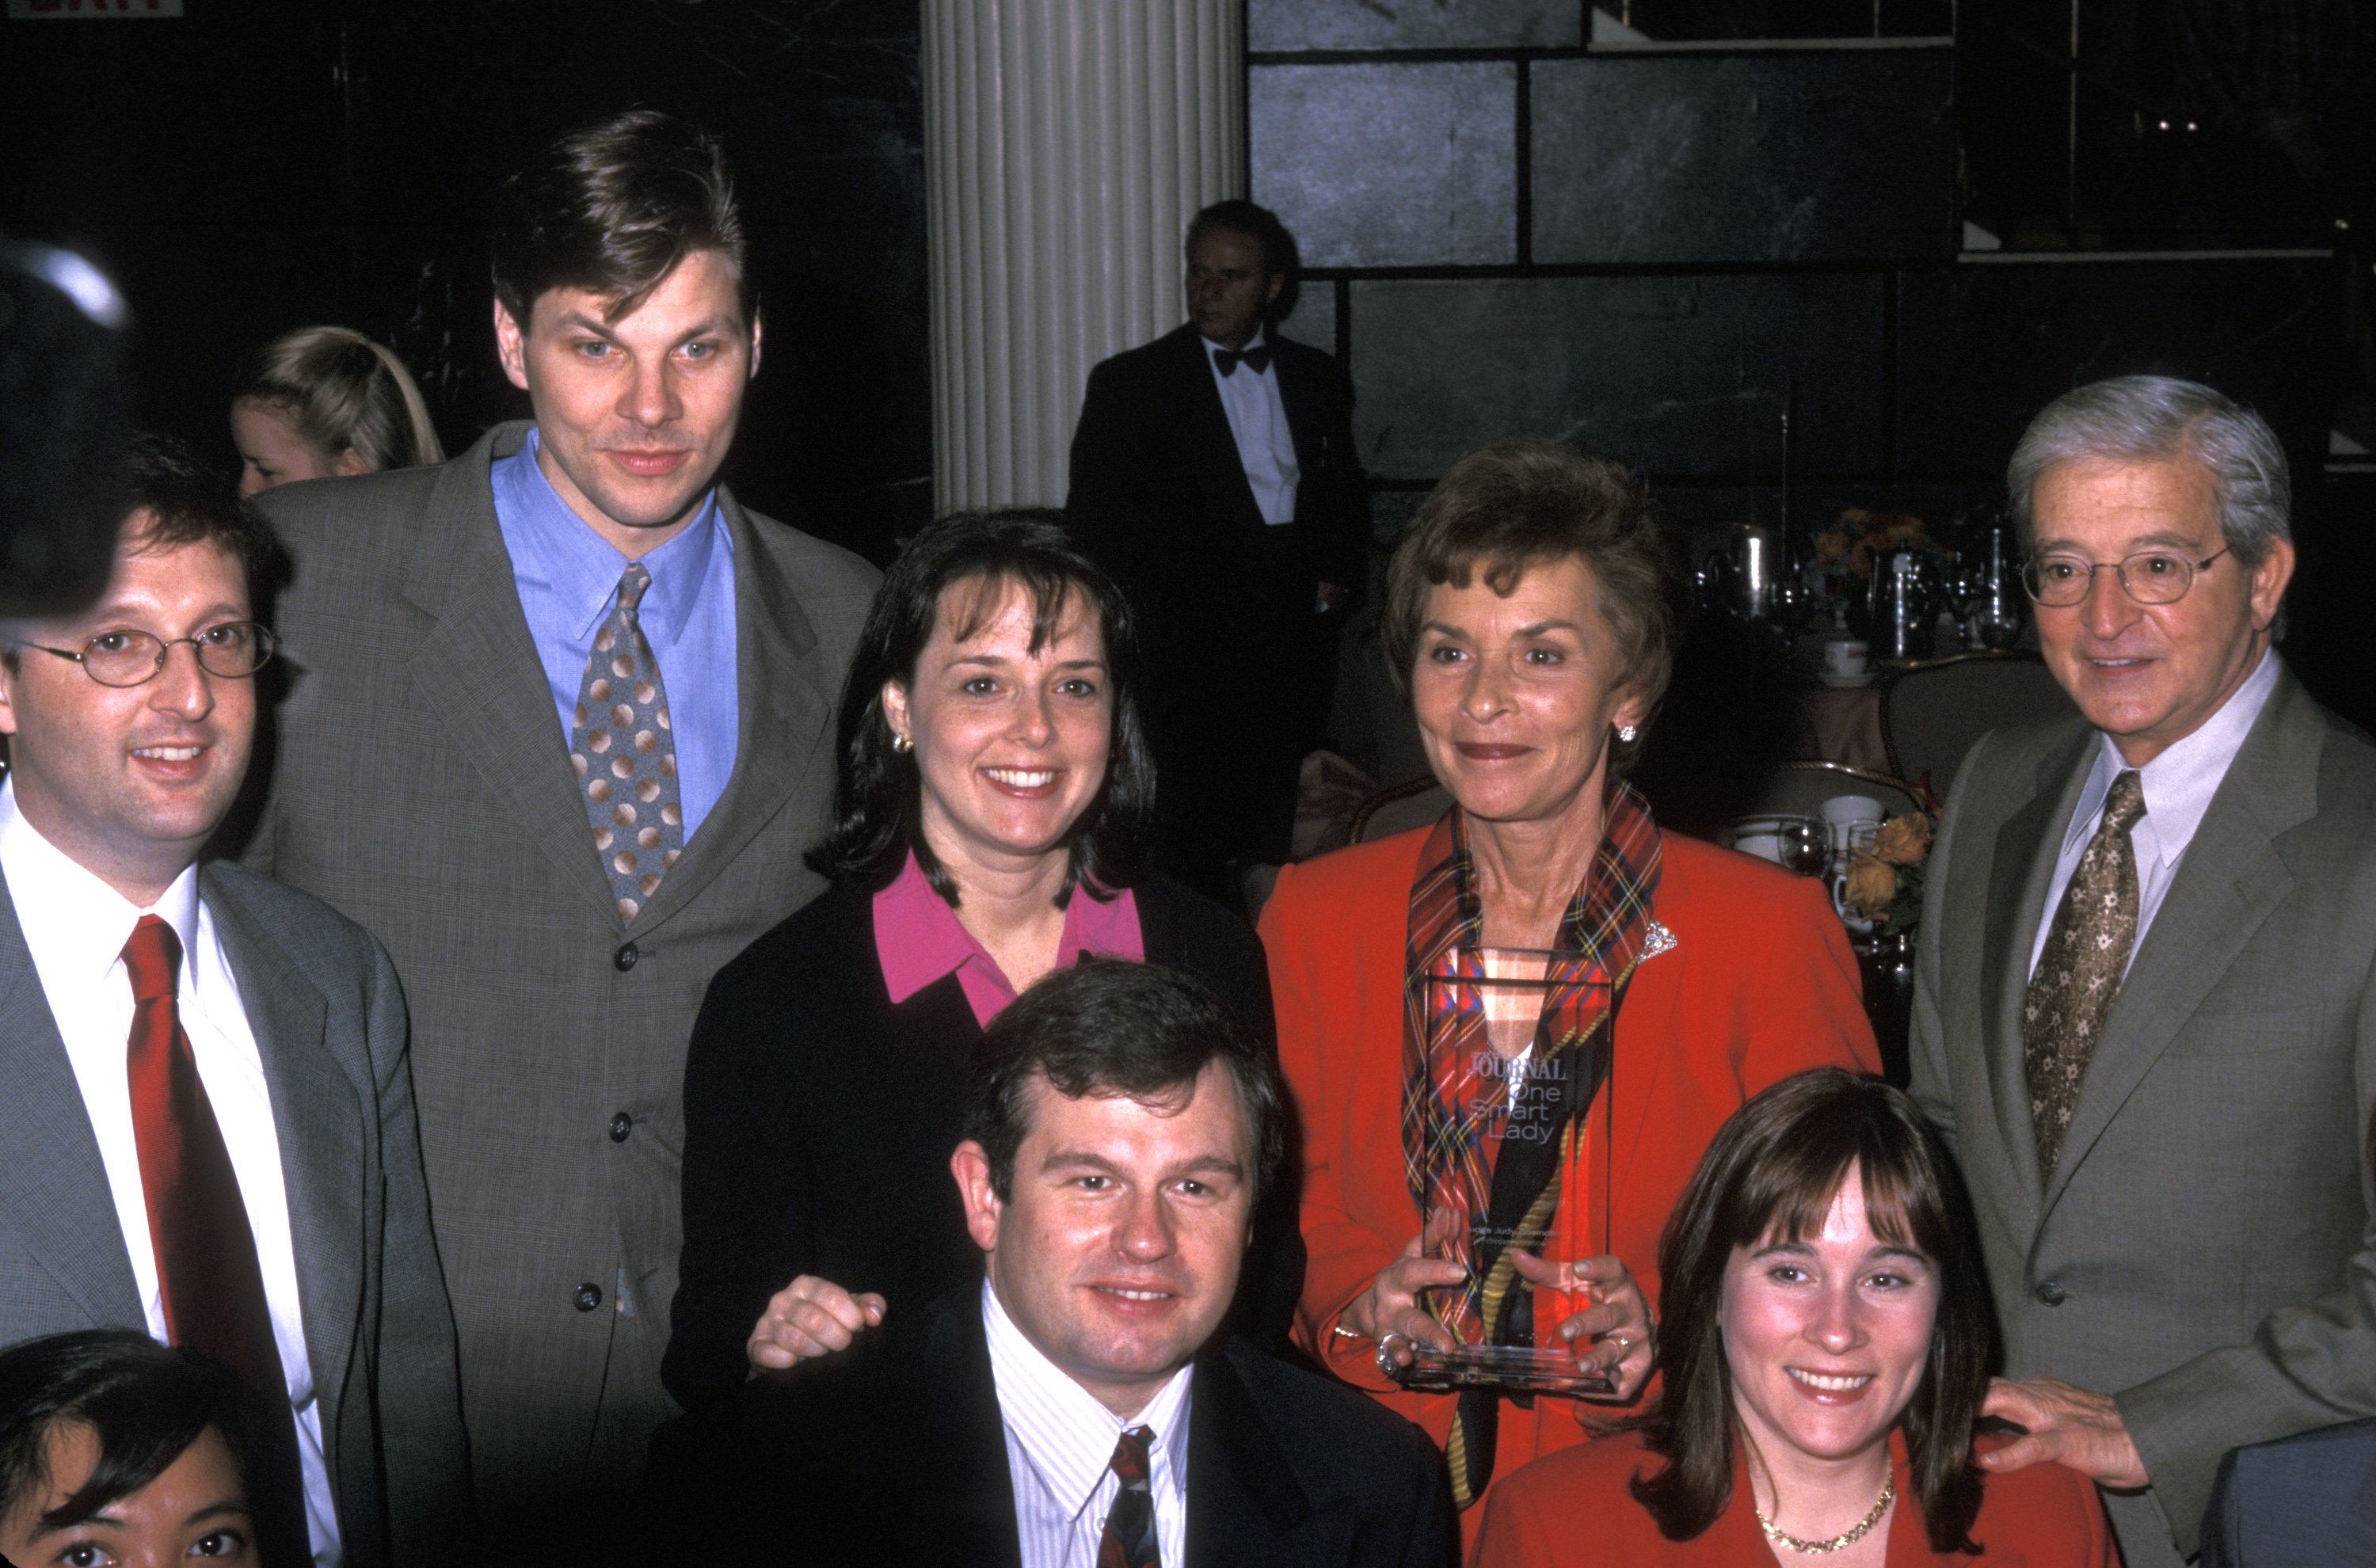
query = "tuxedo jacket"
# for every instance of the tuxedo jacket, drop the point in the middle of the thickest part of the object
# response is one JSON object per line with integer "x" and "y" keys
{"x": 421, "y": 785}
{"x": 820, "y": 1117}
{"x": 329, "y": 1022}
{"x": 2203, "y": 1250}
{"x": 894, "y": 1454}
{"x": 1160, "y": 493}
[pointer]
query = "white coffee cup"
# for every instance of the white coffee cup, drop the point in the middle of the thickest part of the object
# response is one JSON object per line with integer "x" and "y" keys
{"x": 1853, "y": 819}
{"x": 1844, "y": 658}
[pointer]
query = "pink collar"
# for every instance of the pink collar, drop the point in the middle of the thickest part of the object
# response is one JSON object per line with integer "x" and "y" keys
{"x": 919, "y": 939}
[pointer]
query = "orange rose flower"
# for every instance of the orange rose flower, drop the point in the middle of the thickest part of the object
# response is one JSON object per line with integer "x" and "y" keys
{"x": 1904, "y": 840}
{"x": 1872, "y": 885}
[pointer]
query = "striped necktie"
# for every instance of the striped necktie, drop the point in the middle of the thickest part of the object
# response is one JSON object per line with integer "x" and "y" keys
{"x": 1129, "y": 1538}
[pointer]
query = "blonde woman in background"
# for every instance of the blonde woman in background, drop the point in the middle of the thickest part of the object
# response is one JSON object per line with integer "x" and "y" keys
{"x": 326, "y": 402}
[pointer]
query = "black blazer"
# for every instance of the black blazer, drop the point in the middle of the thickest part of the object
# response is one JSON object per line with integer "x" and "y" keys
{"x": 1160, "y": 493}
{"x": 819, "y": 1121}
{"x": 895, "y": 1454}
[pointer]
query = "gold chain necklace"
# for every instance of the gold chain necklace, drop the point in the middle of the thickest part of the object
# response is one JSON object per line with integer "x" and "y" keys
{"x": 1840, "y": 1542}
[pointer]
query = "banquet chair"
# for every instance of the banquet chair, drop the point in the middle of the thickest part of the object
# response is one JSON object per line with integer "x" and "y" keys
{"x": 1800, "y": 789}
{"x": 1932, "y": 713}
{"x": 1415, "y": 802}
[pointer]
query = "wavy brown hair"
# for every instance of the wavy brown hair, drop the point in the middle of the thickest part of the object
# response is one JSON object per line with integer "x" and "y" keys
{"x": 1528, "y": 502}
{"x": 1772, "y": 1172}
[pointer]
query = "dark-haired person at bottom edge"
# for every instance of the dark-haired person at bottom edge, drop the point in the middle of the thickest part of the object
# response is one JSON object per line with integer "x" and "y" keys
{"x": 1076, "y": 1408}
{"x": 1824, "y": 1339}
{"x": 207, "y": 1126}
{"x": 116, "y": 1450}
{"x": 993, "y": 798}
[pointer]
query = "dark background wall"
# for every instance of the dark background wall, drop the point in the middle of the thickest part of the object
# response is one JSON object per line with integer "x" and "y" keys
{"x": 1655, "y": 226}
{"x": 1660, "y": 226}
{"x": 258, "y": 165}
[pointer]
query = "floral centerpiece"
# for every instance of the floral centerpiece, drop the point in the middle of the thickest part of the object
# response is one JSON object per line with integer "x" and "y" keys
{"x": 1841, "y": 566}
{"x": 1884, "y": 884}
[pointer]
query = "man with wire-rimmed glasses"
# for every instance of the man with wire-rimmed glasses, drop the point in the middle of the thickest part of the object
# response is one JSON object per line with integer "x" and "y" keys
{"x": 205, "y": 1106}
{"x": 2144, "y": 1014}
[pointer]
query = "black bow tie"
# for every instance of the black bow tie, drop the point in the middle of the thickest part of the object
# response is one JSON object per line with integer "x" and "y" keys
{"x": 1256, "y": 359}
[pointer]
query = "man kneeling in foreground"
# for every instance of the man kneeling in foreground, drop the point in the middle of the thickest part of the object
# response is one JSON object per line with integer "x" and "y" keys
{"x": 1121, "y": 1126}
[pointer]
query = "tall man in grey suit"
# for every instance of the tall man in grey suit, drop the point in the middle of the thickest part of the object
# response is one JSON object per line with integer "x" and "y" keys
{"x": 560, "y": 730}
{"x": 2145, "y": 1004}
{"x": 204, "y": 1098}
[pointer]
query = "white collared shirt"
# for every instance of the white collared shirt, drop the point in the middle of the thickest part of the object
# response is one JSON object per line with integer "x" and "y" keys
{"x": 1258, "y": 421}
{"x": 1059, "y": 1447}
{"x": 76, "y": 926}
{"x": 2177, "y": 787}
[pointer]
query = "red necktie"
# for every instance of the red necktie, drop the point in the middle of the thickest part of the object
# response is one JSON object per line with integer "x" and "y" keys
{"x": 207, "y": 1269}
{"x": 1128, "y": 1539}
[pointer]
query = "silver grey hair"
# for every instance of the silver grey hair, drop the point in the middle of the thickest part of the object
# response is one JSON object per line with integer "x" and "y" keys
{"x": 2152, "y": 419}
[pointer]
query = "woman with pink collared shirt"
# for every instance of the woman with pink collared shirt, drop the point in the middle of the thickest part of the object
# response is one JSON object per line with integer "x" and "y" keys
{"x": 994, "y": 802}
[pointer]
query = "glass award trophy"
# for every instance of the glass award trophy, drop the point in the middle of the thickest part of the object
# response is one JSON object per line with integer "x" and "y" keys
{"x": 1559, "y": 1088}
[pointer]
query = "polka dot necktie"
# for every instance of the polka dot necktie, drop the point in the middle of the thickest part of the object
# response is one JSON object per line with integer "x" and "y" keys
{"x": 625, "y": 754}
{"x": 2080, "y": 970}
{"x": 1128, "y": 1538}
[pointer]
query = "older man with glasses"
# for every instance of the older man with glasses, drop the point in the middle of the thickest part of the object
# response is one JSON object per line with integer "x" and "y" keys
{"x": 204, "y": 1097}
{"x": 2145, "y": 1006}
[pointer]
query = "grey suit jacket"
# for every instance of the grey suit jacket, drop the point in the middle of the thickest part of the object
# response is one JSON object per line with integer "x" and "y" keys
{"x": 2204, "y": 1252}
{"x": 423, "y": 787}
{"x": 329, "y": 1025}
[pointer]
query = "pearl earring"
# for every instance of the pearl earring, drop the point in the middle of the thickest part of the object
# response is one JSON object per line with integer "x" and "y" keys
{"x": 902, "y": 745}
{"x": 1625, "y": 732}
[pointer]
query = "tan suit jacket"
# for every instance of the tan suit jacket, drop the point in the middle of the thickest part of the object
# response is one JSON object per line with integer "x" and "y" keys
{"x": 422, "y": 784}
{"x": 2203, "y": 1250}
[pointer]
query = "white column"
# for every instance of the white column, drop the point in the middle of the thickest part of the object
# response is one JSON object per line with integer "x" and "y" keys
{"x": 1067, "y": 145}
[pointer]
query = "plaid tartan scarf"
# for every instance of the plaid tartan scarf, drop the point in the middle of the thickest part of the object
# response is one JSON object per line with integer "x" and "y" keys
{"x": 1504, "y": 1191}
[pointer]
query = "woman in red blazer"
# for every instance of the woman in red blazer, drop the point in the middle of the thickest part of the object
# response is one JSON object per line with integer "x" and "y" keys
{"x": 1824, "y": 1355}
{"x": 1528, "y": 617}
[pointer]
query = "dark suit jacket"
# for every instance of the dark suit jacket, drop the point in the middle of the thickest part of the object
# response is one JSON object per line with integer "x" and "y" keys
{"x": 2204, "y": 1252}
{"x": 895, "y": 1454}
{"x": 423, "y": 787}
{"x": 1225, "y": 601}
{"x": 1159, "y": 493}
{"x": 819, "y": 1120}
{"x": 329, "y": 1026}
{"x": 2299, "y": 1499}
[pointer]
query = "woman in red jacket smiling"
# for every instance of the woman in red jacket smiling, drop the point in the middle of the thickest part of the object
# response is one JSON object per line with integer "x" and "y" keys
{"x": 1528, "y": 617}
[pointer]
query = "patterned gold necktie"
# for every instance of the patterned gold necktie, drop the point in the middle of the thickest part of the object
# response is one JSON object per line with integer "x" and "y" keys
{"x": 2079, "y": 973}
{"x": 625, "y": 754}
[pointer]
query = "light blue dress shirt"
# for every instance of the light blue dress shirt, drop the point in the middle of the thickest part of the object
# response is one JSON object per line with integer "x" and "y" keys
{"x": 568, "y": 580}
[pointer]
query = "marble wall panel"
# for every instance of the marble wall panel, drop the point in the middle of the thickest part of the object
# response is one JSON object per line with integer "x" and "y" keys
{"x": 1388, "y": 165}
{"x": 1679, "y": 375}
{"x": 1815, "y": 155}
{"x": 1983, "y": 346}
{"x": 1412, "y": 24}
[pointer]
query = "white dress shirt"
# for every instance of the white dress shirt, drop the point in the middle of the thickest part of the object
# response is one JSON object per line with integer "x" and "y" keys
{"x": 1258, "y": 420}
{"x": 1060, "y": 1447}
{"x": 2177, "y": 787}
{"x": 76, "y": 926}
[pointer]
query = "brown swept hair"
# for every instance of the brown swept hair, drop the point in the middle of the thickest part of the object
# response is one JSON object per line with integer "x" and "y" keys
{"x": 1772, "y": 1172}
{"x": 611, "y": 208}
{"x": 1528, "y": 502}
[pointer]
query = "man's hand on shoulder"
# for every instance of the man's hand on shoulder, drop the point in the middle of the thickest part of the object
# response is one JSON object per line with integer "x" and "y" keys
{"x": 2072, "y": 1427}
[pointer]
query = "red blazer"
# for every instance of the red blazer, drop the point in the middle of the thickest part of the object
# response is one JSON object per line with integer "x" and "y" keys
{"x": 1760, "y": 985}
{"x": 1573, "y": 1511}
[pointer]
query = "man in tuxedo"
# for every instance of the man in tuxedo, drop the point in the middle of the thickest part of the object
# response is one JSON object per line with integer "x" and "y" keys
{"x": 2145, "y": 1000}
{"x": 204, "y": 1098}
{"x": 559, "y": 734}
{"x": 1214, "y": 473}
{"x": 1075, "y": 1408}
